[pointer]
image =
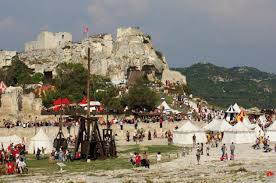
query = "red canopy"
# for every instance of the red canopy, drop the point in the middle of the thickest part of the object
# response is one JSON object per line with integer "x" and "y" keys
{"x": 84, "y": 101}
{"x": 59, "y": 102}
{"x": 62, "y": 101}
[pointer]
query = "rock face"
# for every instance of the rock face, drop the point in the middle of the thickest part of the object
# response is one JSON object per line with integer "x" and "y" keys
{"x": 173, "y": 77}
{"x": 131, "y": 50}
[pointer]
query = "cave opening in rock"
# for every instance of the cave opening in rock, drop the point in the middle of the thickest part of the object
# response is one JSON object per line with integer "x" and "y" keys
{"x": 131, "y": 69}
{"x": 48, "y": 75}
{"x": 151, "y": 72}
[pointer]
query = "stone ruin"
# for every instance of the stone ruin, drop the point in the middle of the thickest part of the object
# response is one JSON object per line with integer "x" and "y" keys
{"x": 15, "y": 105}
{"x": 6, "y": 58}
{"x": 131, "y": 50}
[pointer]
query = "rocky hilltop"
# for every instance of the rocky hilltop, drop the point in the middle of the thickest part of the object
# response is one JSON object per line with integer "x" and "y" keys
{"x": 114, "y": 58}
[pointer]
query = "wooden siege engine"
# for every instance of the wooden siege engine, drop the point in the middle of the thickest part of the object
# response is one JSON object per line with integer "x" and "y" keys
{"x": 90, "y": 142}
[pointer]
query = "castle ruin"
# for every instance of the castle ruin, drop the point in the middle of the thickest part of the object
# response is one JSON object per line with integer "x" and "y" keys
{"x": 48, "y": 40}
{"x": 113, "y": 58}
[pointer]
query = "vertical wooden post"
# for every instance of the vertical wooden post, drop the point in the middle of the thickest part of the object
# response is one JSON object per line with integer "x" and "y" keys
{"x": 88, "y": 95}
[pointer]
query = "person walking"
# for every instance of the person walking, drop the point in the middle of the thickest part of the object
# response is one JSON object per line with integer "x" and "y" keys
{"x": 135, "y": 124}
{"x": 161, "y": 123}
{"x": 223, "y": 148}
{"x": 198, "y": 152}
{"x": 207, "y": 149}
{"x": 127, "y": 135}
{"x": 194, "y": 140}
{"x": 232, "y": 151}
{"x": 149, "y": 135}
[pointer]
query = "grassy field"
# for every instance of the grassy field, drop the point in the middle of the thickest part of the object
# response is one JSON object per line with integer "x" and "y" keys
{"x": 121, "y": 162}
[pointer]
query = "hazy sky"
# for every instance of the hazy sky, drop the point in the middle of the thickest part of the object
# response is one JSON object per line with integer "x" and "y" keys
{"x": 224, "y": 32}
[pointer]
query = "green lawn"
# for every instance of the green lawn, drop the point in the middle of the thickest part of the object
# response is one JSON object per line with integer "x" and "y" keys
{"x": 121, "y": 162}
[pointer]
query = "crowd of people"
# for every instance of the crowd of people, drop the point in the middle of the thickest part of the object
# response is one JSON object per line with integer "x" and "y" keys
{"x": 13, "y": 159}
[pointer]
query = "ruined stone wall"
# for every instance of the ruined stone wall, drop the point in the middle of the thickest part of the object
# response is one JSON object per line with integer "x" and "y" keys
{"x": 16, "y": 105}
{"x": 10, "y": 102}
{"x": 31, "y": 105}
{"x": 49, "y": 40}
{"x": 6, "y": 58}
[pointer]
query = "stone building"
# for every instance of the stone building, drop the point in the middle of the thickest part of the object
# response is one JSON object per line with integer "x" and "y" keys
{"x": 49, "y": 40}
{"x": 6, "y": 58}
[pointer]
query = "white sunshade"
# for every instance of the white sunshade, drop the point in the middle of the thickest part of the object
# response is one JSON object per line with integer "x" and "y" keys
{"x": 218, "y": 125}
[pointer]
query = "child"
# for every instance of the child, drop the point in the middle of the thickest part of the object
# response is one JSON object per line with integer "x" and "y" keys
{"x": 158, "y": 159}
{"x": 137, "y": 159}
{"x": 198, "y": 152}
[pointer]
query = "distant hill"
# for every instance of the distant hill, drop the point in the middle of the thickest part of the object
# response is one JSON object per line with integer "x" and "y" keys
{"x": 221, "y": 86}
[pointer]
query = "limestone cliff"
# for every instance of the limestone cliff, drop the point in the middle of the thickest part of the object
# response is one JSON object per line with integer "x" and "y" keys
{"x": 131, "y": 49}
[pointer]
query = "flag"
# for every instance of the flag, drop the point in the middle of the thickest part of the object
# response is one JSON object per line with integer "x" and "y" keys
{"x": 85, "y": 29}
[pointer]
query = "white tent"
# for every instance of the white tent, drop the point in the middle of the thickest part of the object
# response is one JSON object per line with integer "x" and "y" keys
{"x": 41, "y": 140}
{"x": 164, "y": 106}
{"x": 236, "y": 108}
{"x": 239, "y": 134}
{"x": 184, "y": 135}
{"x": 247, "y": 123}
{"x": 258, "y": 131}
{"x": 231, "y": 110}
{"x": 7, "y": 140}
{"x": 218, "y": 125}
{"x": 271, "y": 132}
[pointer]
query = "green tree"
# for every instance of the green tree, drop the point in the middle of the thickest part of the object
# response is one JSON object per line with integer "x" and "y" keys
{"x": 141, "y": 96}
{"x": 115, "y": 104}
{"x": 17, "y": 74}
{"x": 49, "y": 97}
{"x": 70, "y": 81}
{"x": 37, "y": 78}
